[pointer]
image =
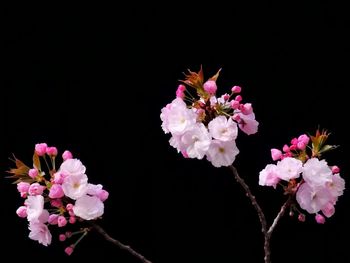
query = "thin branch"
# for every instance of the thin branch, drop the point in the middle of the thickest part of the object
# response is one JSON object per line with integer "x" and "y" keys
{"x": 279, "y": 215}
{"x": 120, "y": 245}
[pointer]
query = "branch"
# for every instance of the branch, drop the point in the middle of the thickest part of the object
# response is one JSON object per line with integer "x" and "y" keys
{"x": 120, "y": 245}
{"x": 279, "y": 215}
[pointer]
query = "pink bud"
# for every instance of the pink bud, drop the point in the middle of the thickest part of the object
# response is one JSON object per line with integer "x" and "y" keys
{"x": 36, "y": 189}
{"x": 184, "y": 154}
{"x": 335, "y": 169}
{"x": 103, "y": 195}
{"x": 58, "y": 178}
{"x": 304, "y": 138}
{"x": 236, "y": 117}
{"x": 320, "y": 219}
{"x": 53, "y": 219}
{"x": 62, "y": 221}
{"x": 293, "y": 147}
{"x": 210, "y": 87}
{"x": 24, "y": 195}
{"x": 56, "y": 191}
{"x": 236, "y": 89}
{"x": 69, "y": 250}
{"x": 226, "y": 97}
{"x": 62, "y": 237}
{"x": 294, "y": 141}
{"x": 72, "y": 219}
{"x": 246, "y": 109}
{"x": 238, "y": 98}
{"x": 67, "y": 155}
{"x": 33, "y": 173}
{"x": 328, "y": 210}
{"x": 286, "y": 148}
{"x": 56, "y": 203}
{"x": 22, "y": 211}
{"x": 40, "y": 149}
{"x": 301, "y": 145}
{"x": 234, "y": 104}
{"x": 23, "y": 187}
{"x": 69, "y": 207}
{"x": 301, "y": 217}
{"x": 180, "y": 91}
{"x": 276, "y": 154}
{"x": 52, "y": 151}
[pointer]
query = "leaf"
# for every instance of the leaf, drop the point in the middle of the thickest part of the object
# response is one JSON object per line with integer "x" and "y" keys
{"x": 215, "y": 77}
{"x": 327, "y": 148}
{"x": 36, "y": 161}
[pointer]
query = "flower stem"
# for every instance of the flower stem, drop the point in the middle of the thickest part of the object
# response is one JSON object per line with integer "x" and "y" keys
{"x": 267, "y": 232}
{"x": 117, "y": 243}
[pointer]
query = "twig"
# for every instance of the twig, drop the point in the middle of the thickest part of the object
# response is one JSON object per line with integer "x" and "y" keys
{"x": 119, "y": 244}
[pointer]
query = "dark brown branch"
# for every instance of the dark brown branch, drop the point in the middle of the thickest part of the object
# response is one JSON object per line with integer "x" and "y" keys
{"x": 117, "y": 243}
{"x": 279, "y": 215}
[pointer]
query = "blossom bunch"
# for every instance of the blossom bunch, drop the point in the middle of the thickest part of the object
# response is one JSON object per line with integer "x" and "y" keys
{"x": 204, "y": 124}
{"x": 302, "y": 173}
{"x": 56, "y": 198}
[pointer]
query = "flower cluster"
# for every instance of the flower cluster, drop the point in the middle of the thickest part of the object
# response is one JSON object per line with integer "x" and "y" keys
{"x": 303, "y": 174}
{"x": 56, "y": 198}
{"x": 203, "y": 124}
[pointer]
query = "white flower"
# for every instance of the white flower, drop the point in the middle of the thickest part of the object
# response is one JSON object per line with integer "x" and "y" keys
{"x": 269, "y": 176}
{"x": 313, "y": 200}
{"x": 179, "y": 118}
{"x": 196, "y": 141}
{"x": 40, "y": 233}
{"x": 317, "y": 173}
{"x": 289, "y": 168}
{"x": 164, "y": 117}
{"x": 88, "y": 207}
{"x": 75, "y": 186}
{"x": 222, "y": 153}
{"x": 35, "y": 207}
{"x": 72, "y": 167}
{"x": 222, "y": 129}
{"x": 94, "y": 189}
{"x": 175, "y": 141}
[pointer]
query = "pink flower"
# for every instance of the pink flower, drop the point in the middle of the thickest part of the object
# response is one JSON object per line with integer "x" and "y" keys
{"x": 276, "y": 154}
{"x": 75, "y": 186}
{"x": 320, "y": 219}
{"x": 33, "y": 173}
{"x": 62, "y": 237}
{"x": 210, "y": 87}
{"x": 61, "y": 221}
{"x": 248, "y": 124}
{"x": 236, "y": 89}
{"x": 40, "y": 149}
{"x": 36, "y": 189}
{"x": 67, "y": 155}
{"x": 246, "y": 109}
{"x": 304, "y": 139}
{"x": 88, "y": 207}
{"x": 69, "y": 250}
{"x": 22, "y": 211}
{"x": 336, "y": 186}
{"x": 35, "y": 207}
{"x": 52, "y": 151}
{"x": 222, "y": 153}
{"x": 72, "y": 167}
{"x": 56, "y": 191}
{"x": 40, "y": 233}
{"x": 223, "y": 129}
{"x": 93, "y": 189}
{"x": 269, "y": 176}
{"x": 289, "y": 168}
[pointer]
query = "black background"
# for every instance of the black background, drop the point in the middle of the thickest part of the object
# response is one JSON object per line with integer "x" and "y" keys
{"x": 93, "y": 79}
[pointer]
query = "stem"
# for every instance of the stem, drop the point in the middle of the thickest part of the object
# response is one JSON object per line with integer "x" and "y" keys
{"x": 267, "y": 232}
{"x": 120, "y": 245}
